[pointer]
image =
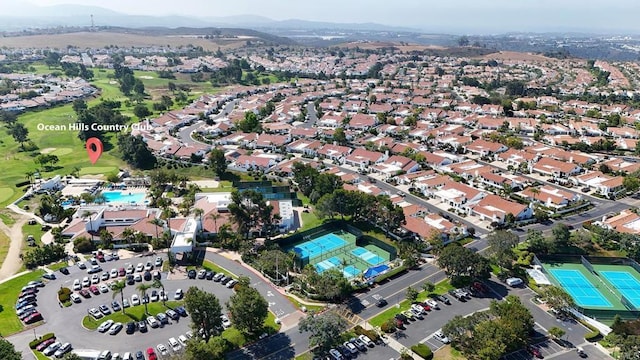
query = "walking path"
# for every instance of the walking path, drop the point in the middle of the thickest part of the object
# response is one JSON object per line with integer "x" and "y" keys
{"x": 12, "y": 262}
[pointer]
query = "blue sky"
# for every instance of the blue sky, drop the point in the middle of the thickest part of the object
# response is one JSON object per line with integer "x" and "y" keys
{"x": 483, "y": 16}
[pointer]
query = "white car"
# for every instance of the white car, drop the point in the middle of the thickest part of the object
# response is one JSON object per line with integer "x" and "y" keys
{"x": 417, "y": 309}
{"x": 75, "y": 298}
{"x": 137, "y": 278}
{"x": 95, "y": 279}
{"x": 226, "y": 323}
{"x": 86, "y": 282}
{"x": 130, "y": 269}
{"x": 114, "y": 273}
{"x": 103, "y": 288}
{"x": 158, "y": 261}
{"x": 77, "y": 285}
{"x": 162, "y": 350}
{"x": 105, "y": 326}
{"x": 232, "y": 283}
{"x": 148, "y": 266}
{"x": 139, "y": 267}
{"x": 95, "y": 313}
{"x": 153, "y": 322}
{"x": 433, "y": 304}
{"x": 183, "y": 340}
{"x": 440, "y": 336}
{"x": 135, "y": 300}
{"x": 52, "y": 348}
{"x": 365, "y": 339}
{"x": 179, "y": 294}
{"x": 125, "y": 303}
{"x": 63, "y": 349}
{"x": 175, "y": 345}
{"x": 104, "y": 276}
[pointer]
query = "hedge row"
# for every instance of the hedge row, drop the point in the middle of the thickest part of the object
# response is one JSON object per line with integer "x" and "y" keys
{"x": 592, "y": 336}
{"x": 369, "y": 333}
{"x": 391, "y": 273}
{"x": 34, "y": 343}
{"x": 423, "y": 351}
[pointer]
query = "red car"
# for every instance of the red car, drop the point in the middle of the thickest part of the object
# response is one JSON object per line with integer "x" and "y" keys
{"x": 35, "y": 317}
{"x": 94, "y": 290}
{"x": 534, "y": 351}
{"x": 425, "y": 306}
{"x": 85, "y": 293}
{"x": 151, "y": 355}
{"x": 43, "y": 345}
{"x": 121, "y": 272}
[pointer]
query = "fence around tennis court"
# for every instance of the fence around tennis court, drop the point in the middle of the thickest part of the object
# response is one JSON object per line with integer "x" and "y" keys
{"x": 587, "y": 263}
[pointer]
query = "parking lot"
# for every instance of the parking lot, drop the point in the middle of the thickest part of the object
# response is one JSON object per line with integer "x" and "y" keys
{"x": 66, "y": 323}
{"x": 546, "y": 348}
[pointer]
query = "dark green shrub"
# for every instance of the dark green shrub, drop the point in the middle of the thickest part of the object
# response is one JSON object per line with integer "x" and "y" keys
{"x": 423, "y": 351}
{"x": 34, "y": 343}
{"x": 592, "y": 336}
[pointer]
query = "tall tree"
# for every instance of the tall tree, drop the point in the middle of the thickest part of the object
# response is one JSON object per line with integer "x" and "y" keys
{"x": 218, "y": 161}
{"x": 459, "y": 261}
{"x": 157, "y": 284}
{"x": 118, "y": 288}
{"x": 248, "y": 309}
{"x": 324, "y": 329}
{"x": 556, "y": 297}
{"x": 501, "y": 244}
{"x": 142, "y": 289}
{"x": 8, "y": 351}
{"x": 19, "y": 133}
{"x": 205, "y": 311}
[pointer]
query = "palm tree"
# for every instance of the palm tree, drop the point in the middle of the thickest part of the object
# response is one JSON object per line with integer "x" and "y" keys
{"x": 118, "y": 288}
{"x": 142, "y": 289}
{"x": 85, "y": 215}
{"x": 29, "y": 176}
{"x": 128, "y": 234}
{"x": 157, "y": 284}
{"x": 199, "y": 212}
{"x": 215, "y": 216}
{"x": 106, "y": 238}
{"x": 535, "y": 191}
{"x": 99, "y": 198}
{"x": 157, "y": 222}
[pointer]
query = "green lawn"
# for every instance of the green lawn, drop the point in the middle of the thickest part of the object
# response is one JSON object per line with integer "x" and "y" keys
{"x": 299, "y": 305}
{"x": 239, "y": 339}
{"x": 441, "y": 288}
{"x": 135, "y": 313}
{"x": 5, "y": 242}
{"x": 57, "y": 266}
{"x": 7, "y": 218}
{"x": 310, "y": 220}
{"x": 35, "y": 230}
{"x": 9, "y": 291}
{"x": 39, "y": 355}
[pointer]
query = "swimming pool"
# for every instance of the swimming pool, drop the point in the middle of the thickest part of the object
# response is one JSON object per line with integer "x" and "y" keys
{"x": 121, "y": 197}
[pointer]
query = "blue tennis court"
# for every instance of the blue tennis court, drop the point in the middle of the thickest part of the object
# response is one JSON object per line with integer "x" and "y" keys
{"x": 580, "y": 288}
{"x": 626, "y": 283}
{"x": 367, "y": 256}
{"x": 318, "y": 246}
{"x": 351, "y": 271}
{"x": 325, "y": 265}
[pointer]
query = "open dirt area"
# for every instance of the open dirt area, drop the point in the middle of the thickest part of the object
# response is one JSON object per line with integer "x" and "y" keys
{"x": 101, "y": 39}
{"x": 511, "y": 55}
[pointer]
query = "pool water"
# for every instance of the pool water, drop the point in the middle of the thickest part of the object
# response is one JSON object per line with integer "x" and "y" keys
{"x": 123, "y": 197}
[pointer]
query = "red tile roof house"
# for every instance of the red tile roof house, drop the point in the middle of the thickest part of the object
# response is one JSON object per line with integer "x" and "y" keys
{"x": 493, "y": 208}
{"x": 625, "y": 222}
{"x": 253, "y": 162}
{"x": 497, "y": 181}
{"x": 362, "y": 158}
{"x": 459, "y": 196}
{"x": 362, "y": 121}
{"x": 307, "y": 147}
{"x": 271, "y": 142}
{"x": 551, "y": 197}
{"x": 395, "y": 165}
{"x": 485, "y": 148}
{"x": 334, "y": 152}
{"x": 515, "y": 157}
{"x": 556, "y": 168}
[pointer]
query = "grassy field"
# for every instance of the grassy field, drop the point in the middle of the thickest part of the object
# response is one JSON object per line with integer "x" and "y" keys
{"x": 6, "y": 216}
{"x": 57, "y": 266}
{"x": 135, "y": 313}
{"x": 5, "y": 242}
{"x": 441, "y": 288}
{"x": 9, "y": 291}
{"x": 239, "y": 339}
{"x": 448, "y": 353}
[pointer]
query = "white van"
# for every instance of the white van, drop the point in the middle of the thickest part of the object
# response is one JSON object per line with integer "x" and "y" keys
{"x": 127, "y": 356}
{"x": 514, "y": 281}
{"x": 105, "y": 355}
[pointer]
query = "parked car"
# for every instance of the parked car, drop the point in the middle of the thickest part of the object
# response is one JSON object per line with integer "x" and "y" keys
{"x": 142, "y": 326}
{"x": 131, "y": 327}
{"x": 432, "y": 304}
{"x": 359, "y": 344}
{"x": 77, "y": 285}
{"x": 105, "y": 276}
{"x": 105, "y": 326}
{"x": 94, "y": 290}
{"x": 148, "y": 266}
{"x": 162, "y": 350}
{"x": 51, "y": 349}
{"x": 365, "y": 339}
{"x": 147, "y": 276}
{"x": 178, "y": 295}
{"x": 226, "y": 323}
{"x": 162, "y": 318}
{"x": 209, "y": 275}
{"x": 139, "y": 267}
{"x": 157, "y": 275}
{"x": 137, "y": 278}
{"x": 580, "y": 352}
{"x": 135, "y": 300}
{"x": 113, "y": 273}
{"x": 125, "y": 303}
{"x": 417, "y": 313}
{"x": 217, "y": 277}
{"x": 95, "y": 313}
{"x": 154, "y": 296}
{"x": 231, "y": 283}
{"x": 104, "y": 309}
{"x": 440, "y": 336}
{"x": 180, "y": 310}
{"x": 409, "y": 315}
{"x": 115, "y": 329}
{"x": 49, "y": 276}
{"x": 175, "y": 345}
{"x": 64, "y": 270}
{"x": 191, "y": 274}
{"x": 335, "y": 354}
{"x": 151, "y": 355}
{"x": 153, "y": 322}
{"x": 172, "y": 314}
{"x": 115, "y": 305}
{"x": 534, "y": 351}
{"x": 85, "y": 293}
{"x": 75, "y": 298}
{"x": 351, "y": 347}
{"x": 45, "y": 344}
{"x": 443, "y": 299}
{"x": 158, "y": 261}
{"x": 201, "y": 274}
{"x": 103, "y": 288}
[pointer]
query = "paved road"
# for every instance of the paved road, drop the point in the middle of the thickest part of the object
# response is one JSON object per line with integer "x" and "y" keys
{"x": 312, "y": 116}
{"x": 184, "y": 133}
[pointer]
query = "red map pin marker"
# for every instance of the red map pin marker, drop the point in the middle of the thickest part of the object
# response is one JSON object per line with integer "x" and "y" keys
{"x": 94, "y": 149}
